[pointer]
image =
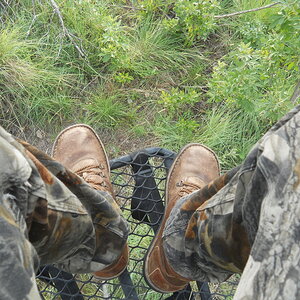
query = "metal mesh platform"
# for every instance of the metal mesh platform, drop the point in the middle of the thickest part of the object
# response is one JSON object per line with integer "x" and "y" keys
{"x": 139, "y": 182}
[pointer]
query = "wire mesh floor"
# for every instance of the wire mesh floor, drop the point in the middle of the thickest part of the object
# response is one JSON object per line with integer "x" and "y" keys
{"x": 139, "y": 184}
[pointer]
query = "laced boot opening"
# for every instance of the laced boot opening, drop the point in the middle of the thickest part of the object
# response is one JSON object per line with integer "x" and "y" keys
{"x": 94, "y": 176}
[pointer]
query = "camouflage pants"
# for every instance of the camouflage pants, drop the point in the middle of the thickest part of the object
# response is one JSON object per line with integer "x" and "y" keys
{"x": 246, "y": 221}
{"x": 50, "y": 215}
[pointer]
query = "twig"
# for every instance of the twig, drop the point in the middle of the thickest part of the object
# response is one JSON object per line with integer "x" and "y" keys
{"x": 33, "y": 19}
{"x": 247, "y": 11}
{"x": 296, "y": 93}
{"x": 31, "y": 25}
{"x": 65, "y": 30}
{"x": 87, "y": 85}
{"x": 142, "y": 91}
{"x": 203, "y": 88}
{"x": 127, "y": 7}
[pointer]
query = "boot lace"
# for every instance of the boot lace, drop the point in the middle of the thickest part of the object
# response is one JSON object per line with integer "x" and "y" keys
{"x": 93, "y": 175}
{"x": 187, "y": 187}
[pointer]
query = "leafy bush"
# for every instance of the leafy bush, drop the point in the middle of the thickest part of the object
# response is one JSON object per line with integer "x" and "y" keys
{"x": 177, "y": 102}
{"x": 255, "y": 80}
{"x": 123, "y": 77}
{"x": 224, "y": 81}
{"x": 101, "y": 33}
{"x": 196, "y": 18}
{"x": 192, "y": 19}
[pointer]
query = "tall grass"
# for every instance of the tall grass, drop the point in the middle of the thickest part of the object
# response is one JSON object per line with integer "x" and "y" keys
{"x": 17, "y": 72}
{"x": 138, "y": 70}
{"x": 151, "y": 49}
{"x": 230, "y": 134}
{"x": 107, "y": 111}
{"x": 38, "y": 91}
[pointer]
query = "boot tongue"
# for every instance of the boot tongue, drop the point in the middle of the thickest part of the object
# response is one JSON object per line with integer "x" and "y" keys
{"x": 84, "y": 163}
{"x": 196, "y": 181}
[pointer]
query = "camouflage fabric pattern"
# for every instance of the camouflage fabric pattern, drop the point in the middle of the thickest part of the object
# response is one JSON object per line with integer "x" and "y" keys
{"x": 246, "y": 221}
{"x": 50, "y": 215}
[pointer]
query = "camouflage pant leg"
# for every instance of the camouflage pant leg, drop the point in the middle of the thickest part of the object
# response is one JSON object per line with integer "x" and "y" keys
{"x": 85, "y": 229}
{"x": 258, "y": 211}
{"x": 18, "y": 258}
{"x": 67, "y": 221}
{"x": 109, "y": 232}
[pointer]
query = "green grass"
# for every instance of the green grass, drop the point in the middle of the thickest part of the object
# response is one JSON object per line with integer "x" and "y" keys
{"x": 48, "y": 82}
{"x": 151, "y": 50}
{"x": 230, "y": 135}
{"x": 107, "y": 111}
{"x": 40, "y": 92}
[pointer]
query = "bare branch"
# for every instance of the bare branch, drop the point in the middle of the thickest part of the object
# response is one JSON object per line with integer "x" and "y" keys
{"x": 247, "y": 11}
{"x": 127, "y": 7}
{"x": 296, "y": 93}
{"x": 31, "y": 25}
{"x": 66, "y": 32}
{"x": 202, "y": 88}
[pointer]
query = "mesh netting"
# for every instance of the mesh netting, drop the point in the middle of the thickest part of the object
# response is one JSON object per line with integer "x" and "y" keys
{"x": 139, "y": 182}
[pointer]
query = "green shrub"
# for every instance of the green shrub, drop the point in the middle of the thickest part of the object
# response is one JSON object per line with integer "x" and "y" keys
{"x": 123, "y": 77}
{"x": 92, "y": 27}
{"x": 192, "y": 19}
{"x": 257, "y": 81}
{"x": 196, "y": 18}
{"x": 177, "y": 102}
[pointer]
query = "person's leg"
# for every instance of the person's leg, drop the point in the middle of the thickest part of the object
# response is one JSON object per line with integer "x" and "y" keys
{"x": 205, "y": 249}
{"x": 45, "y": 205}
{"x": 80, "y": 150}
{"x": 194, "y": 167}
{"x": 271, "y": 214}
{"x": 259, "y": 209}
{"x": 80, "y": 206}
{"x": 18, "y": 258}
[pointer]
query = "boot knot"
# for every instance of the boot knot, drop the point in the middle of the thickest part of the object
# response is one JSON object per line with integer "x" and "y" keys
{"x": 188, "y": 185}
{"x": 93, "y": 175}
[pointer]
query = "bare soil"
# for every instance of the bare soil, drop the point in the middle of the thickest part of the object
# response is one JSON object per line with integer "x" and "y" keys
{"x": 117, "y": 142}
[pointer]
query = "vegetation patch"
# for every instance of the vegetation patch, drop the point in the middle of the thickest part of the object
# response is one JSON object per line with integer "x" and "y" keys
{"x": 161, "y": 73}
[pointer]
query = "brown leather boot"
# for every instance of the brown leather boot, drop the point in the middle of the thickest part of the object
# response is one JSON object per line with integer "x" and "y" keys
{"x": 194, "y": 167}
{"x": 79, "y": 149}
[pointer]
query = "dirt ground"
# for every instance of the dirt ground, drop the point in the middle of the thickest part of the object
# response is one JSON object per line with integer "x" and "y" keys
{"x": 117, "y": 142}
